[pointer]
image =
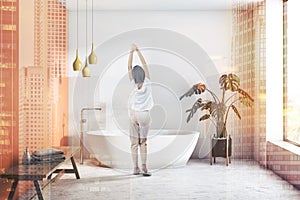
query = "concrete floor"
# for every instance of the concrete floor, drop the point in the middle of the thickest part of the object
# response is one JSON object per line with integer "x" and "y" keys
{"x": 198, "y": 180}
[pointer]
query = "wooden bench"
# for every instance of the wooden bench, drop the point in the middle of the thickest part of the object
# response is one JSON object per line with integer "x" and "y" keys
{"x": 39, "y": 172}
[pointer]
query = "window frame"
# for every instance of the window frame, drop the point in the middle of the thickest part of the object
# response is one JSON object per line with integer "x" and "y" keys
{"x": 285, "y": 74}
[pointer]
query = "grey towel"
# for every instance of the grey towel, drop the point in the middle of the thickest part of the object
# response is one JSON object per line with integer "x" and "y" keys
{"x": 47, "y": 155}
{"x": 47, "y": 152}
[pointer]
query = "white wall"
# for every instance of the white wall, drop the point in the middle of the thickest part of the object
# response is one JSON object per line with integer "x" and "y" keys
{"x": 181, "y": 48}
{"x": 210, "y": 29}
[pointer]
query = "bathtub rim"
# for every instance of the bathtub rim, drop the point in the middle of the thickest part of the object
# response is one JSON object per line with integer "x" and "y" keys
{"x": 117, "y": 132}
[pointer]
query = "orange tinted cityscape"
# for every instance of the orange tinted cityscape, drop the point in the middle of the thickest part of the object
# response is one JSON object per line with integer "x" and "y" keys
{"x": 33, "y": 99}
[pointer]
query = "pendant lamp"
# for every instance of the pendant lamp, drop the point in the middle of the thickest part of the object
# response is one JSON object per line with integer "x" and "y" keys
{"x": 86, "y": 70}
{"x": 93, "y": 59}
{"x": 77, "y": 64}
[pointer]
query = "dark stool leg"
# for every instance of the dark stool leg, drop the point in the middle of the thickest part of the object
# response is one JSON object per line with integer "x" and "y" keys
{"x": 49, "y": 177}
{"x": 13, "y": 189}
{"x": 227, "y": 148}
{"x": 210, "y": 155}
{"x": 38, "y": 190}
{"x": 75, "y": 168}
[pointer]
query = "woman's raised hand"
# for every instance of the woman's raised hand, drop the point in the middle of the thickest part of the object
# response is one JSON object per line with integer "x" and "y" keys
{"x": 133, "y": 47}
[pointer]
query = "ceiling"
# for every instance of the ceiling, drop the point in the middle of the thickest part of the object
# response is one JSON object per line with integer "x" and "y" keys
{"x": 142, "y": 5}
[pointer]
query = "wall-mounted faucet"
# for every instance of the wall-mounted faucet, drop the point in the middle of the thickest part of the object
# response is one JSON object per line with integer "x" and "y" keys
{"x": 81, "y": 130}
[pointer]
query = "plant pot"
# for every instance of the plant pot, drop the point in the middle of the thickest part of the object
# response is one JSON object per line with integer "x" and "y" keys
{"x": 221, "y": 147}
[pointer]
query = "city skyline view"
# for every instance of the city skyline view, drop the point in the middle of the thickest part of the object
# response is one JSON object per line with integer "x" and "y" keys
{"x": 33, "y": 74}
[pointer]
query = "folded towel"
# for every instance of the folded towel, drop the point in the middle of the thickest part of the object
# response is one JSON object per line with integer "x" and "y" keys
{"x": 47, "y": 155}
{"x": 33, "y": 161}
{"x": 47, "y": 158}
{"x": 47, "y": 152}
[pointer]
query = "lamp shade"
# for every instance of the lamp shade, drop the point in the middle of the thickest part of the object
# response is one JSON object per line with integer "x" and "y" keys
{"x": 86, "y": 70}
{"x": 77, "y": 64}
{"x": 93, "y": 59}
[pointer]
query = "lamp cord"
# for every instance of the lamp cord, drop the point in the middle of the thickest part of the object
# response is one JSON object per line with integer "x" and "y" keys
{"x": 77, "y": 24}
{"x": 92, "y": 20}
{"x": 86, "y": 28}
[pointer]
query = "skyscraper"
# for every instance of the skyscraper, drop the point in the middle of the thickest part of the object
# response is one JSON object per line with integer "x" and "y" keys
{"x": 35, "y": 109}
{"x": 44, "y": 99}
{"x": 9, "y": 86}
{"x": 44, "y": 85}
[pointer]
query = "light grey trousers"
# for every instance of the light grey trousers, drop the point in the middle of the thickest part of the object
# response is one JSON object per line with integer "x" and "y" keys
{"x": 139, "y": 128}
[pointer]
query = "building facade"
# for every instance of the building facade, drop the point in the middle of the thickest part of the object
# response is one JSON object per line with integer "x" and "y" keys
{"x": 9, "y": 86}
{"x": 249, "y": 61}
{"x": 33, "y": 99}
{"x": 44, "y": 85}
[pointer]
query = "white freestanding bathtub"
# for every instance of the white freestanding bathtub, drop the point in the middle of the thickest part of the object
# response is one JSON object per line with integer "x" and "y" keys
{"x": 166, "y": 148}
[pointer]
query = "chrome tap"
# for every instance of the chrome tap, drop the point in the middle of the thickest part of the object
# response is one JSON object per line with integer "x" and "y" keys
{"x": 81, "y": 130}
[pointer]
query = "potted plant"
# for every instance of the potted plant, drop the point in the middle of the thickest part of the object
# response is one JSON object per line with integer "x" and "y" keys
{"x": 217, "y": 110}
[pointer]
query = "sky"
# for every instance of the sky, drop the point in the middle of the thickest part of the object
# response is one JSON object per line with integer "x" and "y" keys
{"x": 26, "y": 34}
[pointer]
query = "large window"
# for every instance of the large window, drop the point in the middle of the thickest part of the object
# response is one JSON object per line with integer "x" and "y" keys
{"x": 291, "y": 71}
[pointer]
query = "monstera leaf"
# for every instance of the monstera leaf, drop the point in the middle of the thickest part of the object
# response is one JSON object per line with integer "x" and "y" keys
{"x": 201, "y": 87}
{"x": 236, "y": 111}
{"x": 196, "y": 89}
{"x": 194, "y": 109}
{"x": 204, "y": 117}
{"x": 199, "y": 104}
{"x": 245, "y": 95}
{"x": 207, "y": 106}
{"x": 246, "y": 101}
{"x": 229, "y": 82}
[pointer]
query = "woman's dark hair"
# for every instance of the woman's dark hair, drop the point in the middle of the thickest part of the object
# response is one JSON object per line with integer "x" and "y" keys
{"x": 138, "y": 74}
